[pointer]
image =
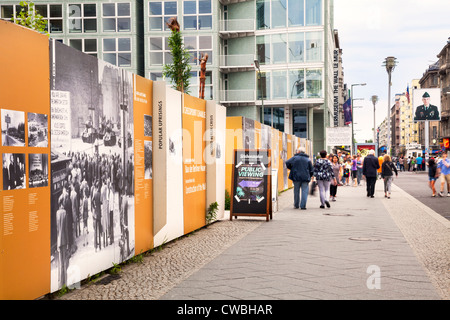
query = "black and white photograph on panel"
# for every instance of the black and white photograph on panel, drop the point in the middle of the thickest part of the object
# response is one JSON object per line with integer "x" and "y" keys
{"x": 248, "y": 128}
{"x": 13, "y": 128}
{"x": 14, "y": 174}
{"x": 147, "y": 125}
{"x": 37, "y": 130}
{"x": 92, "y": 166}
{"x": 38, "y": 170}
{"x": 148, "y": 151}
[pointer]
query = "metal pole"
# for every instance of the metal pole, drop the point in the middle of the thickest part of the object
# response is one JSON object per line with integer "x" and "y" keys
{"x": 262, "y": 97}
{"x": 388, "y": 142}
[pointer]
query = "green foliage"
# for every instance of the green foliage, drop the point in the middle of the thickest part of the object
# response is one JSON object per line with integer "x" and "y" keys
{"x": 180, "y": 69}
{"x": 29, "y": 17}
{"x": 227, "y": 200}
{"x": 211, "y": 213}
{"x": 116, "y": 268}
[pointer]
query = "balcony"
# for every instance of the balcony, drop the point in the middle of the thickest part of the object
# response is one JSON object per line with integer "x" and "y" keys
{"x": 236, "y": 28}
{"x": 236, "y": 63}
{"x": 237, "y": 97}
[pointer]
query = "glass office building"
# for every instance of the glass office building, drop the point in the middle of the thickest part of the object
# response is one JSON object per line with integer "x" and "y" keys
{"x": 292, "y": 41}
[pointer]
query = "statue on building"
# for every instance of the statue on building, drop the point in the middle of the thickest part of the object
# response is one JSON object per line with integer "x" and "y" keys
{"x": 203, "y": 60}
{"x": 173, "y": 24}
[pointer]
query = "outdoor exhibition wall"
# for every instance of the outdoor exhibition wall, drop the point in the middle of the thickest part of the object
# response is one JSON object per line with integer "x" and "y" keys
{"x": 83, "y": 144}
{"x": 244, "y": 133}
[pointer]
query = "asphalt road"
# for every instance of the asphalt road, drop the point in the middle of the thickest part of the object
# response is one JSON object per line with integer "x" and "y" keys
{"x": 416, "y": 184}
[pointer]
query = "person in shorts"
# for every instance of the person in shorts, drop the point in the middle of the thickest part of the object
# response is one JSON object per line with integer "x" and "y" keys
{"x": 444, "y": 169}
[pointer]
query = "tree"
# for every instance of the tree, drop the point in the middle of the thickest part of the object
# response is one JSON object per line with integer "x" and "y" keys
{"x": 180, "y": 69}
{"x": 29, "y": 17}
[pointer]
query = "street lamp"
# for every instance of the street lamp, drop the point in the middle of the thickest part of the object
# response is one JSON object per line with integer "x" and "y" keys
{"x": 374, "y": 101}
{"x": 260, "y": 89}
{"x": 389, "y": 63}
{"x": 353, "y": 116}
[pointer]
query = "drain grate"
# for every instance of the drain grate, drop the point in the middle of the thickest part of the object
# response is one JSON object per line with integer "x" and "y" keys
{"x": 338, "y": 214}
{"x": 364, "y": 239}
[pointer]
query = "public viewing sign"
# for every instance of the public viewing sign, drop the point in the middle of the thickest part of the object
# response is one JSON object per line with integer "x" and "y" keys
{"x": 251, "y": 184}
{"x": 339, "y": 136}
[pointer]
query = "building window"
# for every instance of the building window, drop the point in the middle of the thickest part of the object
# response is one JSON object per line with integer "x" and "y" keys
{"x": 292, "y": 47}
{"x": 313, "y": 9}
{"x": 271, "y": 14}
{"x": 263, "y": 49}
{"x": 297, "y": 84}
{"x": 279, "y": 13}
{"x": 313, "y": 46}
{"x": 296, "y": 47}
{"x": 263, "y": 84}
{"x": 52, "y": 13}
{"x": 274, "y": 117}
{"x": 88, "y": 46}
{"x": 116, "y": 17}
{"x": 117, "y": 51}
{"x": 82, "y": 18}
{"x": 159, "y": 51}
{"x": 194, "y": 85}
{"x": 160, "y": 12}
{"x": 197, "y": 14}
{"x": 279, "y": 85}
{"x": 314, "y": 83}
{"x": 296, "y": 13}
{"x": 279, "y": 48}
{"x": 300, "y": 122}
{"x": 290, "y": 84}
{"x": 197, "y": 45}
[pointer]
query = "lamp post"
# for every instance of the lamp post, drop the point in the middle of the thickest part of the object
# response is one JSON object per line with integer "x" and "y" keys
{"x": 374, "y": 101}
{"x": 353, "y": 116}
{"x": 260, "y": 89}
{"x": 389, "y": 63}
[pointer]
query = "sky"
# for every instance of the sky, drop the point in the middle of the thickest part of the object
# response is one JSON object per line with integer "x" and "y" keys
{"x": 413, "y": 31}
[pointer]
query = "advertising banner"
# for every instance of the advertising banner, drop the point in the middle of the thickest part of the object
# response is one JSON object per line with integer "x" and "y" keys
{"x": 168, "y": 218}
{"x": 427, "y": 104}
{"x": 25, "y": 153}
{"x": 143, "y": 162}
{"x": 251, "y": 183}
{"x": 92, "y": 200}
{"x": 194, "y": 165}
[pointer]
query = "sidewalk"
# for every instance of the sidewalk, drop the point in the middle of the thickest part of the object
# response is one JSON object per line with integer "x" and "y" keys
{"x": 360, "y": 248}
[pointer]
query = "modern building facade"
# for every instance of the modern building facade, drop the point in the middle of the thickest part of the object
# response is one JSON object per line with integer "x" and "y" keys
{"x": 430, "y": 79}
{"x": 292, "y": 41}
{"x": 107, "y": 30}
{"x": 444, "y": 76}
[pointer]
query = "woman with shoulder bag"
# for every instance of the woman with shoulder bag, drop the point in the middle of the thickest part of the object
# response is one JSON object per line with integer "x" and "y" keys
{"x": 323, "y": 172}
{"x": 387, "y": 174}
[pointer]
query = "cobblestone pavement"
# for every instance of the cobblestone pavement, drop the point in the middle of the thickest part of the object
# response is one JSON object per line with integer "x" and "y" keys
{"x": 298, "y": 255}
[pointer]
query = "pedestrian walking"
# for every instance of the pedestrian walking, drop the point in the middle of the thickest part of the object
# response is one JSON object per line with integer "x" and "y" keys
{"x": 301, "y": 171}
{"x": 355, "y": 171}
{"x": 401, "y": 163}
{"x": 370, "y": 168}
{"x": 359, "y": 163}
{"x": 419, "y": 160}
{"x": 380, "y": 162}
{"x": 387, "y": 173}
{"x": 444, "y": 171}
{"x": 433, "y": 174}
{"x": 337, "y": 169}
{"x": 323, "y": 173}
